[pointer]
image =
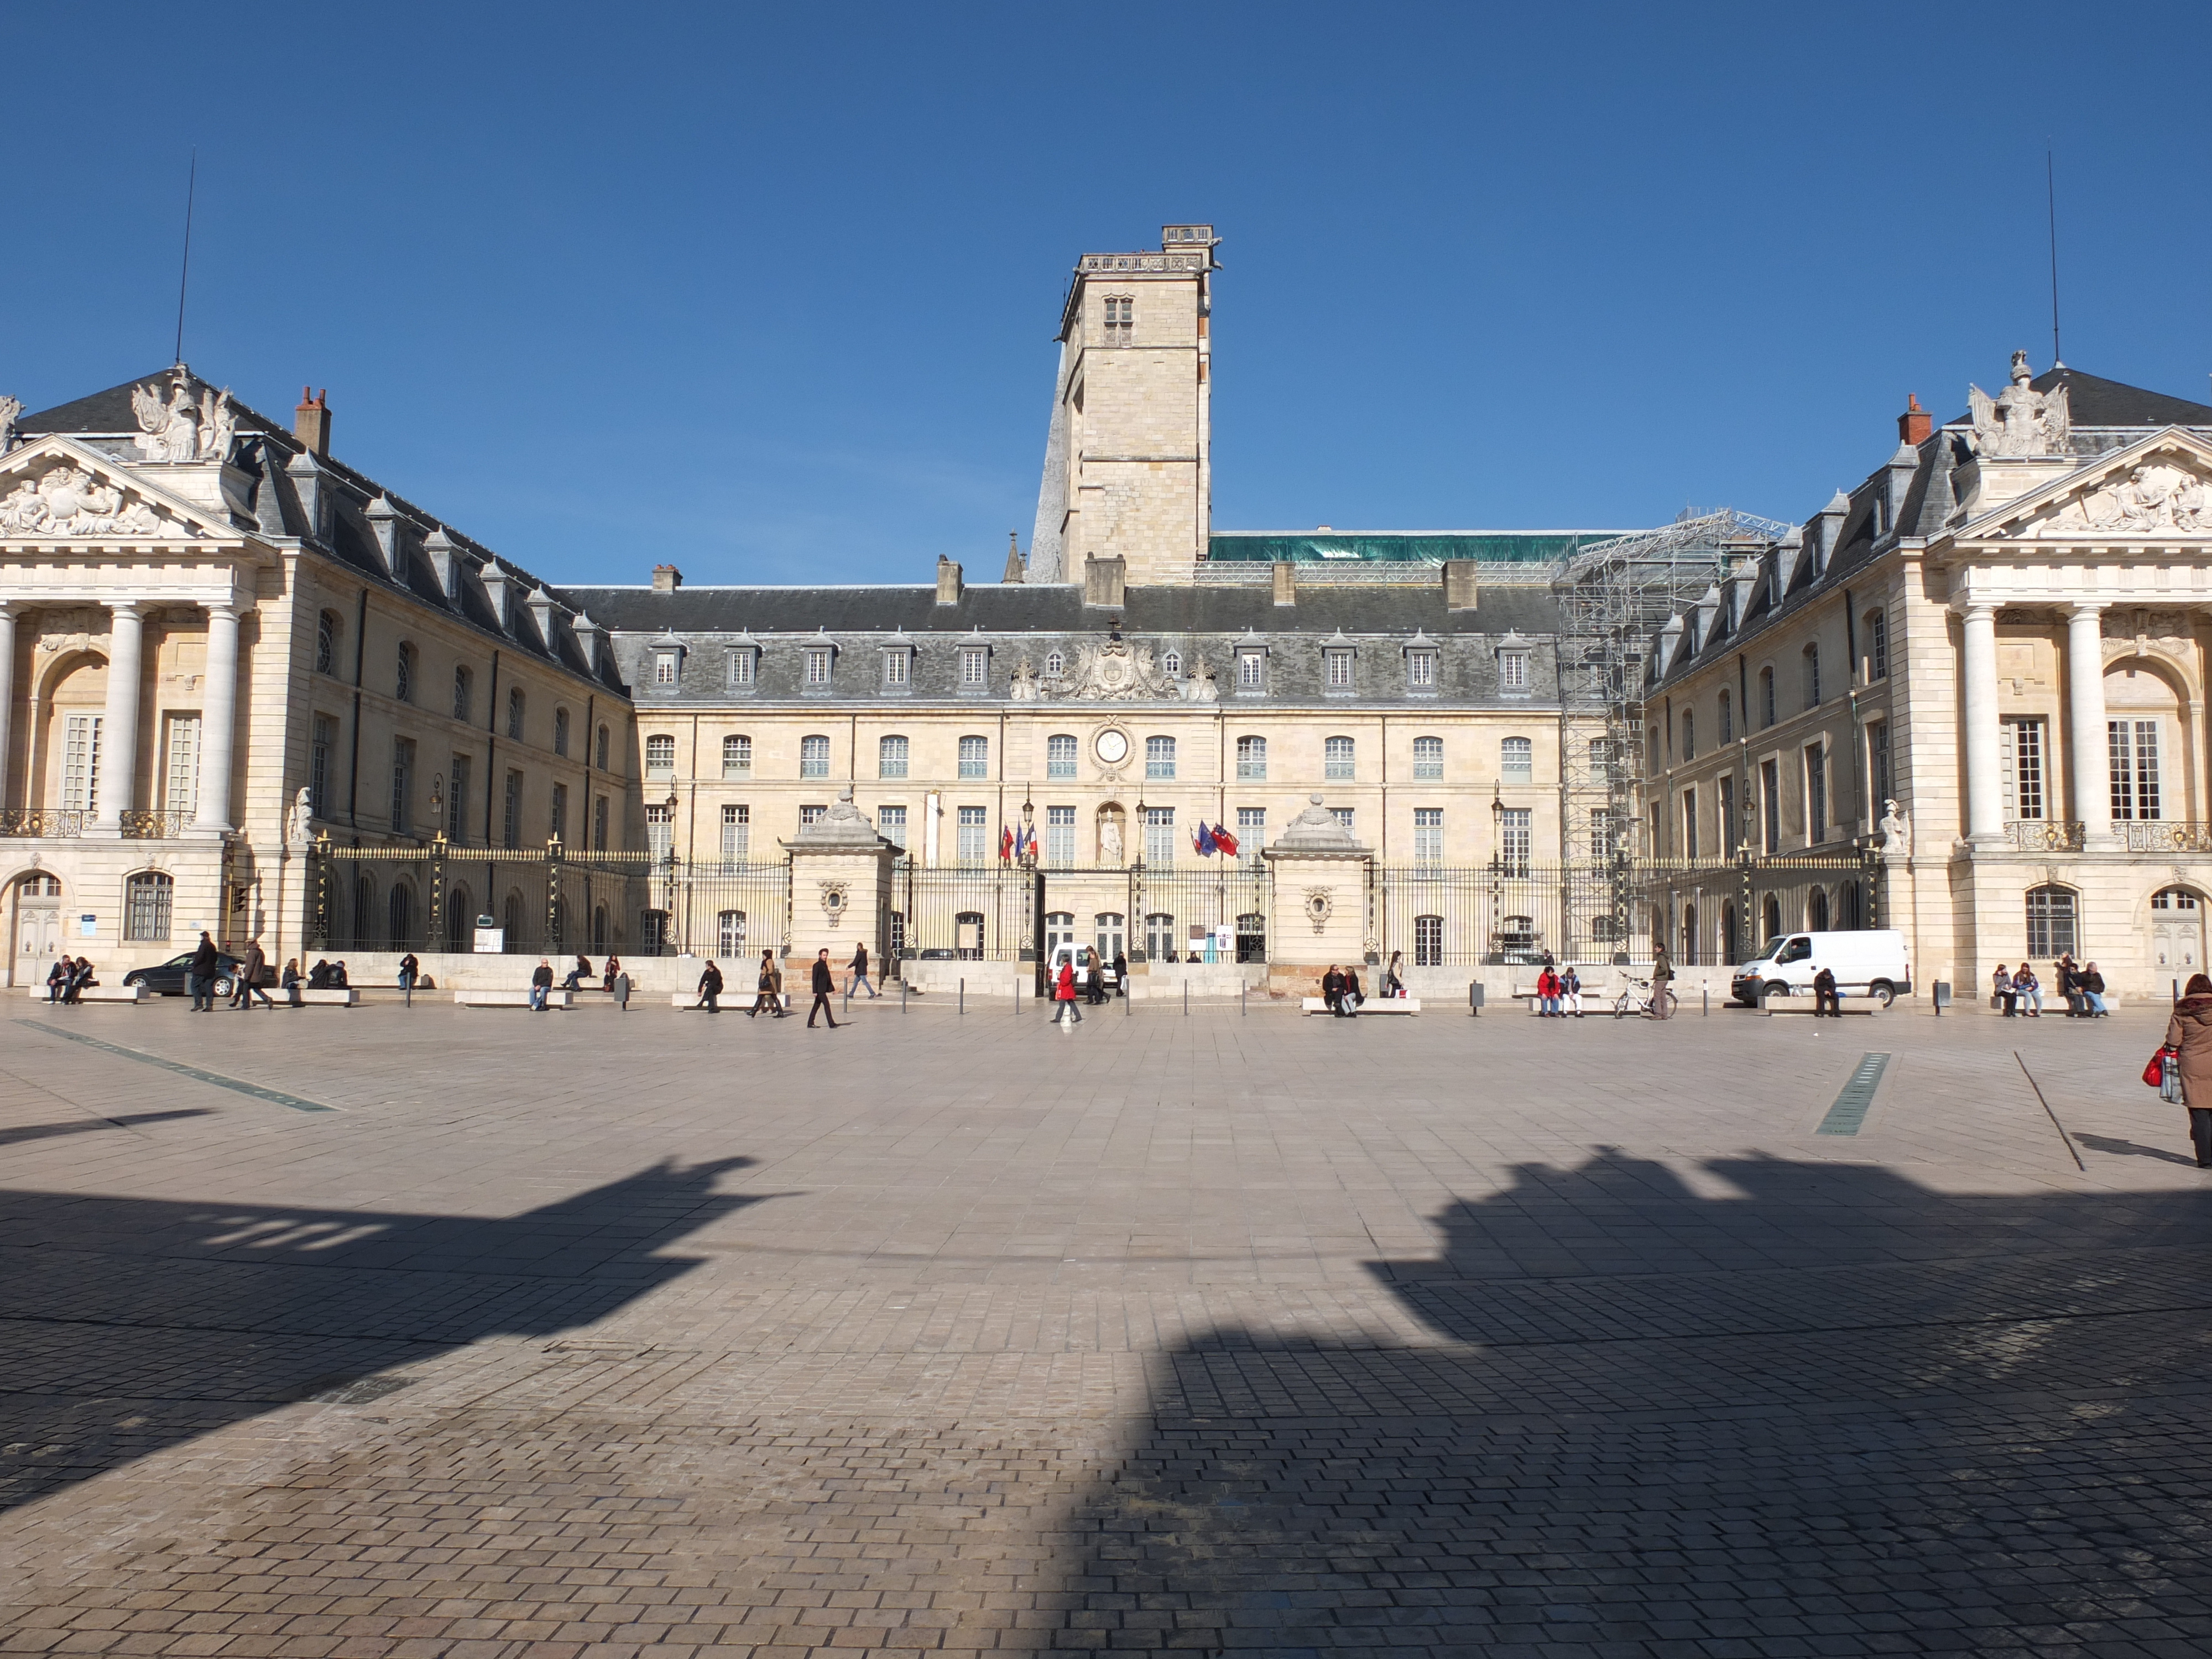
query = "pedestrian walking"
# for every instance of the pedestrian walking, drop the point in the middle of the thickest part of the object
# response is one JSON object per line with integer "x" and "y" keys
{"x": 710, "y": 989}
{"x": 541, "y": 984}
{"x": 2092, "y": 991}
{"x": 199, "y": 973}
{"x": 2189, "y": 1035}
{"x": 2027, "y": 991}
{"x": 825, "y": 986}
{"x": 859, "y": 971}
{"x": 410, "y": 969}
{"x": 247, "y": 986}
{"x": 770, "y": 993}
{"x": 1095, "y": 977}
{"x": 1065, "y": 1013}
{"x": 1571, "y": 993}
{"x": 291, "y": 982}
{"x": 1394, "y": 982}
{"x": 1120, "y": 973}
{"x": 1826, "y": 1000}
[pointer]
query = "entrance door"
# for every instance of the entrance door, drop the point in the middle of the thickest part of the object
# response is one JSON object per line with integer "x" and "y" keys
{"x": 1107, "y": 935}
{"x": 2177, "y": 932}
{"x": 38, "y": 929}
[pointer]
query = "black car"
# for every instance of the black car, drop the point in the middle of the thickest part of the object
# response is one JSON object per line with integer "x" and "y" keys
{"x": 168, "y": 978}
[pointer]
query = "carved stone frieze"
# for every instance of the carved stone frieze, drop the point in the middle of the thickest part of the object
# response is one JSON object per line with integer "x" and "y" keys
{"x": 1320, "y": 905}
{"x": 178, "y": 428}
{"x": 68, "y": 499}
{"x": 1112, "y": 671}
{"x": 2156, "y": 497}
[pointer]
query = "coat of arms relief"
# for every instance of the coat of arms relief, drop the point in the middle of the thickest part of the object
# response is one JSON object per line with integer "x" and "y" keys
{"x": 1112, "y": 669}
{"x": 70, "y": 499}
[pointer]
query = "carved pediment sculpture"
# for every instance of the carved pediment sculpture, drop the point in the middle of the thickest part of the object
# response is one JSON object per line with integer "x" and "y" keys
{"x": 1114, "y": 671}
{"x": 169, "y": 429}
{"x": 2019, "y": 420}
{"x": 69, "y": 499}
{"x": 1200, "y": 687}
{"x": 1023, "y": 686}
{"x": 2155, "y": 497}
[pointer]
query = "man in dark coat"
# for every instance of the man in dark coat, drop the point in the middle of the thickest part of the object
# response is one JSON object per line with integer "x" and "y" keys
{"x": 710, "y": 989}
{"x": 825, "y": 986}
{"x": 541, "y": 985}
{"x": 199, "y": 977}
{"x": 1826, "y": 1000}
{"x": 1332, "y": 989}
{"x": 248, "y": 984}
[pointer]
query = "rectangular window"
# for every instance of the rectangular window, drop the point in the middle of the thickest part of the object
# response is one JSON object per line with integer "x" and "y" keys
{"x": 1059, "y": 836}
{"x": 1159, "y": 757}
{"x": 1251, "y": 760}
{"x": 1728, "y": 719}
{"x": 818, "y": 664}
{"x": 1336, "y": 755}
{"x": 180, "y": 780}
{"x": 1340, "y": 669}
{"x": 1877, "y": 635}
{"x": 557, "y": 816}
{"x": 2135, "y": 792}
{"x": 811, "y": 815}
{"x": 737, "y": 836}
{"x": 1428, "y": 759}
{"x": 1770, "y": 806}
{"x": 599, "y": 824}
{"x": 2051, "y": 922}
{"x": 1428, "y": 835}
{"x": 1812, "y": 676}
{"x": 1514, "y": 834}
{"x": 81, "y": 763}
{"x": 974, "y": 668}
{"x": 457, "y": 797}
{"x": 1345, "y": 816}
{"x": 1885, "y": 785}
{"x": 1513, "y": 671}
{"x": 1816, "y": 794}
{"x": 973, "y": 845}
{"x": 890, "y": 757}
{"x": 1724, "y": 825}
{"x": 1421, "y": 671}
{"x": 895, "y": 669}
{"x": 659, "y": 756}
{"x": 403, "y": 775}
{"x": 737, "y": 757}
{"x": 659, "y": 831}
{"x": 1121, "y": 321}
{"x": 1251, "y": 831}
{"x": 814, "y": 758}
{"x": 2020, "y": 768}
{"x": 1606, "y": 837}
{"x": 1159, "y": 835}
{"x": 890, "y": 824}
{"x": 322, "y": 747}
{"x": 741, "y": 669}
{"x": 1689, "y": 823}
{"x": 1516, "y": 760}
{"x": 1251, "y": 670}
{"x": 1059, "y": 757}
{"x": 975, "y": 757}
{"x": 663, "y": 668}
{"x": 511, "y": 824}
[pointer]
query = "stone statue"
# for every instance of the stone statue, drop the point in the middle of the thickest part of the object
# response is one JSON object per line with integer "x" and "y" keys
{"x": 171, "y": 430}
{"x": 218, "y": 425}
{"x": 1110, "y": 841}
{"x": 299, "y": 832}
{"x": 1023, "y": 687}
{"x": 1896, "y": 832}
{"x": 10, "y": 407}
{"x": 2019, "y": 420}
{"x": 1200, "y": 687}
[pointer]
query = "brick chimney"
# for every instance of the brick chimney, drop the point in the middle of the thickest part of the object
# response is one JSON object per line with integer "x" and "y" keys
{"x": 1916, "y": 424}
{"x": 311, "y": 422}
{"x": 667, "y": 578}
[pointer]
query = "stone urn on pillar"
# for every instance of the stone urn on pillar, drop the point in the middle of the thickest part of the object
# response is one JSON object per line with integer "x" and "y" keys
{"x": 840, "y": 884}
{"x": 1321, "y": 880}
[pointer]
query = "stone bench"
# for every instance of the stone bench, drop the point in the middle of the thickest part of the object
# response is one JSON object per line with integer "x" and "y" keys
{"x": 1850, "y": 1005}
{"x": 344, "y": 996}
{"x": 100, "y": 993}
{"x": 511, "y": 999}
{"x": 732, "y": 1001}
{"x": 1373, "y": 1005}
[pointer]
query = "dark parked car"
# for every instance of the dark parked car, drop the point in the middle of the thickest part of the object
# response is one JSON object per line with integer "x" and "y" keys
{"x": 168, "y": 978}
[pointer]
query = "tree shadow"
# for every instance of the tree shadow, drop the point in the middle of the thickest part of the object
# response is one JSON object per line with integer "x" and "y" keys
{"x": 23, "y": 1131}
{"x": 2120, "y": 1148}
{"x": 133, "y": 1324}
{"x": 1833, "y": 1412}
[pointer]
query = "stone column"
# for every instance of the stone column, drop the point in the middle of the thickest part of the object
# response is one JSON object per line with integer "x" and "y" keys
{"x": 218, "y": 721}
{"x": 840, "y": 882}
{"x": 7, "y": 689}
{"x": 1321, "y": 873}
{"x": 2088, "y": 745}
{"x": 1985, "y": 795}
{"x": 118, "y": 725}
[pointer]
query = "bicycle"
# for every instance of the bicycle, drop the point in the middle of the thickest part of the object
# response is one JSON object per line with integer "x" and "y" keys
{"x": 1659, "y": 1004}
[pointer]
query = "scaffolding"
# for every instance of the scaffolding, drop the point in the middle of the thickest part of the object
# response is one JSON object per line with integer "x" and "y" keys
{"x": 1613, "y": 599}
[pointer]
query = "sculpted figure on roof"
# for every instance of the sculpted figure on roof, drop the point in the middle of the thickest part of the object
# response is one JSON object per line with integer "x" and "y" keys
{"x": 2019, "y": 420}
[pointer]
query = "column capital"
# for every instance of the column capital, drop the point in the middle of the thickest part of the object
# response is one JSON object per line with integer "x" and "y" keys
{"x": 1970, "y": 607}
{"x": 125, "y": 607}
{"x": 229, "y": 608}
{"x": 2087, "y": 607}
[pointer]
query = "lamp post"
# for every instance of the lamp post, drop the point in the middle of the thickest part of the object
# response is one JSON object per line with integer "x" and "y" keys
{"x": 1497, "y": 864}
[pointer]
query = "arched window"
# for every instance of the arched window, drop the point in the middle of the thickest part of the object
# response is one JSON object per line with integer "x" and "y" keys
{"x": 1850, "y": 908}
{"x": 1816, "y": 911}
{"x": 326, "y": 642}
{"x": 1055, "y": 665}
{"x": 604, "y": 737}
{"x": 2050, "y": 916}
{"x": 660, "y": 755}
{"x": 364, "y": 914}
{"x": 561, "y": 732}
{"x": 1160, "y": 937}
{"x": 1731, "y": 945}
{"x": 1336, "y": 759}
{"x": 1171, "y": 665}
{"x": 1252, "y": 937}
{"x": 511, "y": 919}
{"x": 653, "y": 932}
{"x": 1812, "y": 676}
{"x": 146, "y": 899}
{"x": 1516, "y": 760}
{"x": 1773, "y": 919}
{"x": 1689, "y": 956}
{"x": 730, "y": 933}
{"x": 813, "y": 756}
{"x": 1689, "y": 735}
{"x": 599, "y": 927}
{"x": 1429, "y": 759}
{"x": 402, "y": 673}
{"x": 737, "y": 757}
{"x": 460, "y": 918}
{"x": 1428, "y": 941}
{"x": 514, "y": 708}
{"x": 1107, "y": 933}
{"x": 463, "y": 683}
{"x": 1059, "y": 929}
{"x": 1251, "y": 760}
{"x": 1727, "y": 720}
{"x": 399, "y": 910}
{"x": 890, "y": 757}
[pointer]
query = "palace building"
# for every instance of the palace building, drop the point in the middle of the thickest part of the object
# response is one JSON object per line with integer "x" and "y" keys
{"x": 249, "y": 689}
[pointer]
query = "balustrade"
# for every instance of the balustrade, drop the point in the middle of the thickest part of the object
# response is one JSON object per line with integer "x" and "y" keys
{"x": 51, "y": 823}
{"x": 2158, "y": 836}
{"x": 2046, "y": 835}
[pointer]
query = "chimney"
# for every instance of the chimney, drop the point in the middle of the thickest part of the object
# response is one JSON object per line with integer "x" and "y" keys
{"x": 1104, "y": 579}
{"x": 948, "y": 581}
{"x": 1916, "y": 424}
{"x": 444, "y": 559}
{"x": 1286, "y": 582}
{"x": 667, "y": 578}
{"x": 311, "y": 422}
{"x": 1458, "y": 584}
{"x": 384, "y": 524}
{"x": 1015, "y": 572}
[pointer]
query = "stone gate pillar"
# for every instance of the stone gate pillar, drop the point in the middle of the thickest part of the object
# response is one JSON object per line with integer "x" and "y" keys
{"x": 841, "y": 887}
{"x": 1321, "y": 873}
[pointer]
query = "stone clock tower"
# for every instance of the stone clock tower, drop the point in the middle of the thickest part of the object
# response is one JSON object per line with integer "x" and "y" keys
{"x": 1127, "y": 468}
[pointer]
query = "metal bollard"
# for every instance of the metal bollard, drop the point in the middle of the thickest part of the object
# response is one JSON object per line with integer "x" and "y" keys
{"x": 1707, "y": 990}
{"x": 964, "y": 995}
{"x": 1241, "y": 989}
{"x": 1186, "y": 999}
{"x": 1474, "y": 996}
{"x": 902, "y": 994}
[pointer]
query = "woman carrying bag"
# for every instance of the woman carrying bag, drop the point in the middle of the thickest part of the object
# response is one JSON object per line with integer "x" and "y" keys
{"x": 1065, "y": 1012}
{"x": 2185, "y": 1064}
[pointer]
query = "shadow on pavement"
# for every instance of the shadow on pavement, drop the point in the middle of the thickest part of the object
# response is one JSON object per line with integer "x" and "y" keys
{"x": 23, "y": 1131}
{"x": 131, "y": 1325}
{"x": 1836, "y": 1413}
{"x": 2119, "y": 1148}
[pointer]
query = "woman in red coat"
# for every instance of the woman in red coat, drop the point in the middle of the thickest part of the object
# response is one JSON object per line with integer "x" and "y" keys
{"x": 1063, "y": 993}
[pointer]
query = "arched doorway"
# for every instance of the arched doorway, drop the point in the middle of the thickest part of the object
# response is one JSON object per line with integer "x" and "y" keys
{"x": 1773, "y": 918}
{"x": 1731, "y": 941}
{"x": 1690, "y": 935}
{"x": 38, "y": 928}
{"x": 2177, "y": 930}
{"x": 460, "y": 918}
{"x": 1816, "y": 911}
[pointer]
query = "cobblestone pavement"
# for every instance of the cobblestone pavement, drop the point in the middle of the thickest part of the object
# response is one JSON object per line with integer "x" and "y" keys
{"x": 656, "y": 1334}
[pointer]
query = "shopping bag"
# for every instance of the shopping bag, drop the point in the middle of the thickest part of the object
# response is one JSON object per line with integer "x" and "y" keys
{"x": 2154, "y": 1074}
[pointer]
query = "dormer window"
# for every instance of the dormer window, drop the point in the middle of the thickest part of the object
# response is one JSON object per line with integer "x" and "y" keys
{"x": 898, "y": 667}
{"x": 1055, "y": 665}
{"x": 1337, "y": 669}
{"x": 1421, "y": 666}
{"x": 1513, "y": 666}
{"x": 664, "y": 667}
{"x": 744, "y": 660}
{"x": 1171, "y": 665}
{"x": 975, "y": 667}
{"x": 821, "y": 659}
{"x": 1251, "y": 668}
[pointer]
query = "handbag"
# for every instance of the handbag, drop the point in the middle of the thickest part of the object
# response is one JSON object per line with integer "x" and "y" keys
{"x": 2169, "y": 1085}
{"x": 2155, "y": 1073}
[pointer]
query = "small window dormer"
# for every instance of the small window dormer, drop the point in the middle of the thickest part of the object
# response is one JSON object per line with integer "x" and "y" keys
{"x": 1339, "y": 660}
{"x": 1421, "y": 673}
{"x": 741, "y": 669}
{"x": 821, "y": 659}
{"x": 1251, "y": 665}
{"x": 1513, "y": 676}
{"x": 974, "y": 668}
{"x": 667, "y": 662}
{"x": 898, "y": 654}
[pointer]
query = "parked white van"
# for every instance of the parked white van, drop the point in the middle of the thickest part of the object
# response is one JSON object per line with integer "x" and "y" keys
{"x": 1870, "y": 962}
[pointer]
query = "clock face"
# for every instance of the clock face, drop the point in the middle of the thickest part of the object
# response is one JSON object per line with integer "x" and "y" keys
{"x": 1112, "y": 747}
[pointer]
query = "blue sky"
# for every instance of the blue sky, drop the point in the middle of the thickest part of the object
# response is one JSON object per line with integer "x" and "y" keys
{"x": 768, "y": 292}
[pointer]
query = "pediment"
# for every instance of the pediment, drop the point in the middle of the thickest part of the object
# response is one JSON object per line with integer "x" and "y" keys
{"x": 60, "y": 490}
{"x": 2152, "y": 490}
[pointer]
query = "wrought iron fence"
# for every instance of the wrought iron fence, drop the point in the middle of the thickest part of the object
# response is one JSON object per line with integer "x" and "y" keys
{"x": 2046, "y": 835}
{"x": 1719, "y": 914}
{"x": 2152, "y": 835}
{"x": 57, "y": 822}
{"x": 1185, "y": 908}
{"x": 970, "y": 913}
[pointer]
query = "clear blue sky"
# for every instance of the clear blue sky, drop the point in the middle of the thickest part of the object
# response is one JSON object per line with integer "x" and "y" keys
{"x": 768, "y": 291}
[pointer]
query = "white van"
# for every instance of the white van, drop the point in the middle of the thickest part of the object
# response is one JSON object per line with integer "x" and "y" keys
{"x": 1075, "y": 956}
{"x": 1870, "y": 962}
